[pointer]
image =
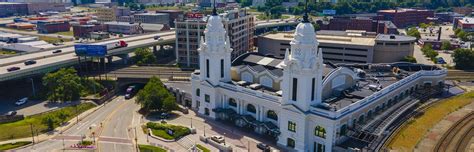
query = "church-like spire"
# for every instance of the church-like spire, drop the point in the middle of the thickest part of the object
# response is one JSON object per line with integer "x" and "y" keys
{"x": 214, "y": 10}
{"x": 305, "y": 16}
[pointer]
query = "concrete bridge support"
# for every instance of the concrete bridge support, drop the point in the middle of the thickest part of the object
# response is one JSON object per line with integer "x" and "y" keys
{"x": 125, "y": 58}
{"x": 109, "y": 59}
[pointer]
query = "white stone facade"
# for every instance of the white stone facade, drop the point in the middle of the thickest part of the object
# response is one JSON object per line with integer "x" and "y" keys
{"x": 301, "y": 124}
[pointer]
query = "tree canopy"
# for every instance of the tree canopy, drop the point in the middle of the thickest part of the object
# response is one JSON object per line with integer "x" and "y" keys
{"x": 144, "y": 56}
{"x": 155, "y": 97}
{"x": 463, "y": 58}
{"x": 63, "y": 85}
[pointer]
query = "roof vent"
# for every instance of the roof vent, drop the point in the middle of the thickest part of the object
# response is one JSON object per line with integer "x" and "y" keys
{"x": 392, "y": 36}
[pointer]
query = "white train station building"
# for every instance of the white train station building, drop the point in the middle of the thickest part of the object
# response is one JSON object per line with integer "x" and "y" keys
{"x": 302, "y": 102}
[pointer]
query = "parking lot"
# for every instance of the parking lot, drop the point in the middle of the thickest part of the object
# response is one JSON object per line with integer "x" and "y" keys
{"x": 31, "y": 107}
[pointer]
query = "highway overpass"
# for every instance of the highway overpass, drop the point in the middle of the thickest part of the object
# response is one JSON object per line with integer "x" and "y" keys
{"x": 46, "y": 61}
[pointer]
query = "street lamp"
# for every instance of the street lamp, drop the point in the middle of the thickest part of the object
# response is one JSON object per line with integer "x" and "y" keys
{"x": 191, "y": 122}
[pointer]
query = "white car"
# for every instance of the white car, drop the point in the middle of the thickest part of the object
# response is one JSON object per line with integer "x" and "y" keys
{"x": 21, "y": 101}
{"x": 218, "y": 139}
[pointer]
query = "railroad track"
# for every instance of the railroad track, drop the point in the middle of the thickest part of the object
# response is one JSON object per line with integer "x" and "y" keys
{"x": 457, "y": 138}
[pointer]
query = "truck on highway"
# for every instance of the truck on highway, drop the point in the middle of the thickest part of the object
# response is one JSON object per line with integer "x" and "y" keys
{"x": 98, "y": 49}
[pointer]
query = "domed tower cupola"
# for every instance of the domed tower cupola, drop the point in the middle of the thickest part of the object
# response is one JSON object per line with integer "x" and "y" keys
{"x": 214, "y": 51}
{"x": 303, "y": 68}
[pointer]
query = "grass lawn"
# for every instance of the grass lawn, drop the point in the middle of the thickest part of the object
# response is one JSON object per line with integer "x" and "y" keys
{"x": 162, "y": 134}
{"x": 413, "y": 132}
{"x": 4, "y": 52}
{"x": 68, "y": 33}
{"x": 204, "y": 149}
{"x": 13, "y": 145}
{"x": 52, "y": 39}
{"x": 148, "y": 148}
{"x": 160, "y": 130}
{"x": 21, "y": 129}
{"x": 265, "y": 17}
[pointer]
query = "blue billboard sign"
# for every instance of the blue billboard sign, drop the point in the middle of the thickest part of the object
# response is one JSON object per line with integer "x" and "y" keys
{"x": 90, "y": 50}
{"x": 329, "y": 12}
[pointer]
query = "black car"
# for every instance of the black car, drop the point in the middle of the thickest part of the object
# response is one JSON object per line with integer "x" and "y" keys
{"x": 11, "y": 113}
{"x": 30, "y": 62}
{"x": 57, "y": 51}
{"x": 13, "y": 69}
{"x": 263, "y": 147}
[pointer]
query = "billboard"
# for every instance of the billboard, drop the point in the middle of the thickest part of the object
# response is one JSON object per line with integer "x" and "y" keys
{"x": 90, "y": 50}
{"x": 194, "y": 15}
{"x": 329, "y": 12}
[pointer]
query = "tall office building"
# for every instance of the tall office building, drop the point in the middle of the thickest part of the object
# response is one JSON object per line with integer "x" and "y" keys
{"x": 237, "y": 22}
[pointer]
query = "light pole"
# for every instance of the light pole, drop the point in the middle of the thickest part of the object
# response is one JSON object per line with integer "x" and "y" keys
{"x": 204, "y": 130}
{"x": 191, "y": 122}
{"x": 224, "y": 139}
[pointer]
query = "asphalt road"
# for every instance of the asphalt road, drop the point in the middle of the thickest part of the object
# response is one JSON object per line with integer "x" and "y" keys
{"x": 114, "y": 118}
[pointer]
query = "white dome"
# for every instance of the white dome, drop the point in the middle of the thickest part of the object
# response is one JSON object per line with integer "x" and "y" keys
{"x": 305, "y": 34}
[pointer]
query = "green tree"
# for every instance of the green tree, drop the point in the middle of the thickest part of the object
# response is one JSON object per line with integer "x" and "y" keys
{"x": 169, "y": 104}
{"x": 409, "y": 59}
{"x": 50, "y": 121}
{"x": 463, "y": 58}
{"x": 144, "y": 56}
{"x": 63, "y": 85}
{"x": 154, "y": 96}
{"x": 423, "y": 25}
{"x": 63, "y": 115}
{"x": 414, "y": 32}
{"x": 446, "y": 45}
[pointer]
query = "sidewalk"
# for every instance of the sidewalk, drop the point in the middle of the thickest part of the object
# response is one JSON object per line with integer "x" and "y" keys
{"x": 57, "y": 131}
{"x": 433, "y": 136}
{"x": 171, "y": 146}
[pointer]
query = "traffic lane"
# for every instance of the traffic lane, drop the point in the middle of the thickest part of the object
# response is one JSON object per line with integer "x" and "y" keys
{"x": 120, "y": 121}
{"x": 62, "y": 58}
{"x": 115, "y": 147}
{"x": 71, "y": 49}
{"x": 94, "y": 119}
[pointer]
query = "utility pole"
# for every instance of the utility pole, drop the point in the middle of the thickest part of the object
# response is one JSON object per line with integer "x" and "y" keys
{"x": 248, "y": 145}
{"x": 32, "y": 133}
{"x": 136, "y": 139}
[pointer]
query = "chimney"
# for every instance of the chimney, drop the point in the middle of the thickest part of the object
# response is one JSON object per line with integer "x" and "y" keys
{"x": 439, "y": 33}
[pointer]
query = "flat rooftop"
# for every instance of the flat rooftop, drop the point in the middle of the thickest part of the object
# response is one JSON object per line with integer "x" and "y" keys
{"x": 467, "y": 20}
{"x": 323, "y": 38}
{"x": 378, "y": 76}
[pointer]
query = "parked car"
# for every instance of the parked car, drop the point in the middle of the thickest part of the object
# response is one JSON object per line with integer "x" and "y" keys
{"x": 30, "y": 62}
{"x": 57, "y": 51}
{"x": 218, "y": 139}
{"x": 263, "y": 147}
{"x": 440, "y": 60}
{"x": 164, "y": 115}
{"x": 11, "y": 113}
{"x": 13, "y": 69}
{"x": 21, "y": 101}
{"x": 157, "y": 37}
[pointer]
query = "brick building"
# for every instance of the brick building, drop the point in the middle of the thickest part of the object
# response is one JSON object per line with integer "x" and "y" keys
{"x": 52, "y": 26}
{"x": 173, "y": 15}
{"x": 360, "y": 24}
{"x": 406, "y": 17}
{"x": 463, "y": 10}
{"x": 83, "y": 31}
{"x": 11, "y": 9}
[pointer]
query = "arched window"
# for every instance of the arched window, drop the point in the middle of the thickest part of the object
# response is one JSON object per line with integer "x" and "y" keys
{"x": 266, "y": 81}
{"x": 343, "y": 130}
{"x": 246, "y": 76}
{"x": 198, "y": 92}
{"x": 232, "y": 102}
{"x": 272, "y": 115}
{"x": 320, "y": 131}
{"x": 251, "y": 108}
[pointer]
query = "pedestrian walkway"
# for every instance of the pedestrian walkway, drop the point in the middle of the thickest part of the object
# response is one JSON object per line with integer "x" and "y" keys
{"x": 57, "y": 131}
{"x": 434, "y": 135}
